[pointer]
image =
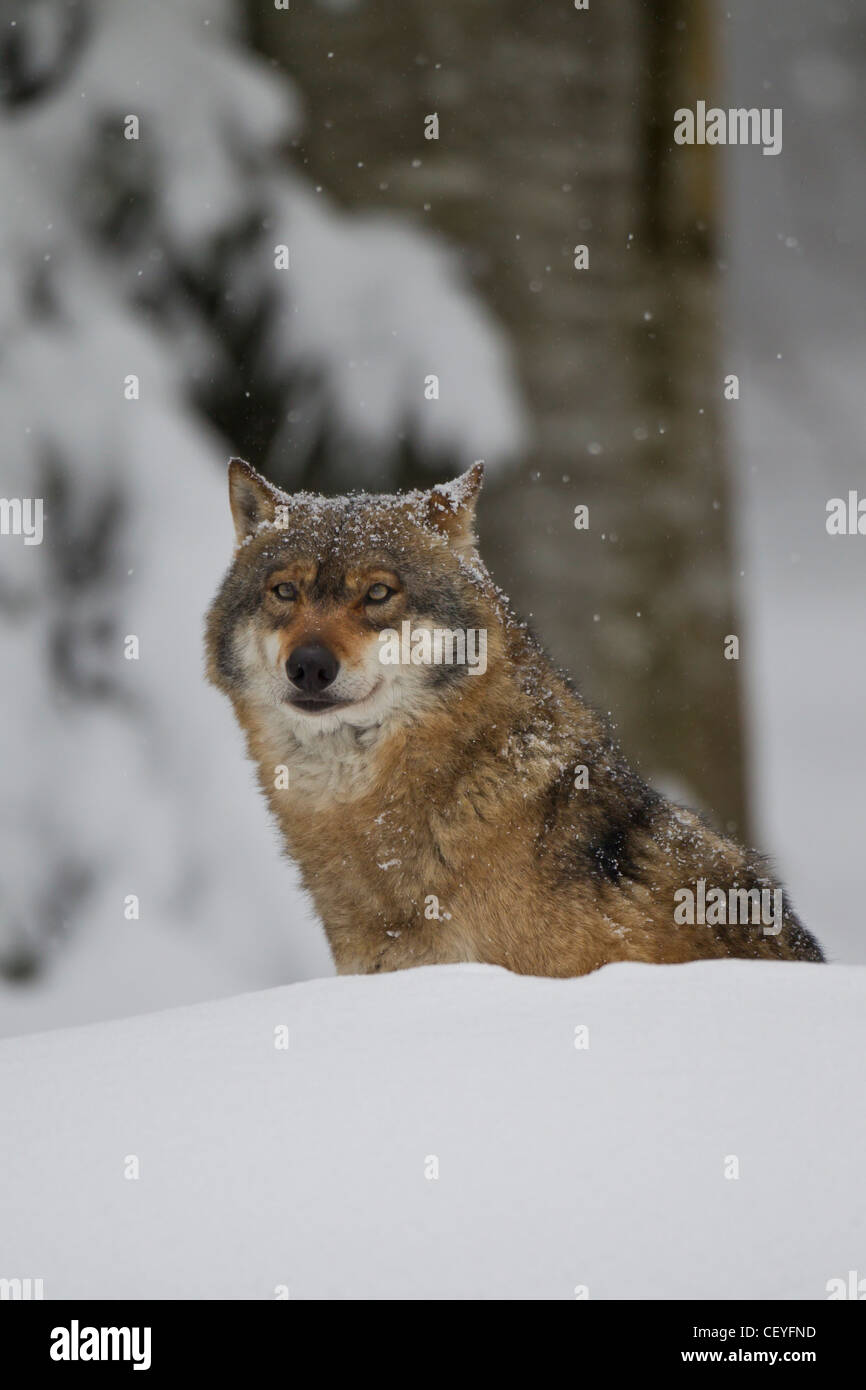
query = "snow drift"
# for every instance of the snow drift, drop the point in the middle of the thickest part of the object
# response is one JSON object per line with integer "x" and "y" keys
{"x": 445, "y": 1132}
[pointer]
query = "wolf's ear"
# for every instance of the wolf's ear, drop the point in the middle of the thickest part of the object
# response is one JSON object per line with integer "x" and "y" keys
{"x": 451, "y": 508}
{"x": 251, "y": 497}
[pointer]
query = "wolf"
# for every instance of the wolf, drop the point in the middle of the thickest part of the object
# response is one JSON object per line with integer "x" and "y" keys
{"x": 442, "y": 811}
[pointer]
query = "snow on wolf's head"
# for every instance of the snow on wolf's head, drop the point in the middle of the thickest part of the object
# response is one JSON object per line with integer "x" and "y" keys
{"x": 350, "y": 611}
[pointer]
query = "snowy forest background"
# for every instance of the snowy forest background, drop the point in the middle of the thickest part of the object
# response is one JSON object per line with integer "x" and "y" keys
{"x": 154, "y": 257}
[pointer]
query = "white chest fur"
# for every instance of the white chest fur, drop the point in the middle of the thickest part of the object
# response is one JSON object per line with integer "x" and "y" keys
{"x": 329, "y": 766}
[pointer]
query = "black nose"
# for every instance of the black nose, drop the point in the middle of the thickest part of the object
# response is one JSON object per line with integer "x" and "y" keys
{"x": 312, "y": 669}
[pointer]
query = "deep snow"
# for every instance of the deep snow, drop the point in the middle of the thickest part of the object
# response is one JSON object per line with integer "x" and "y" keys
{"x": 558, "y": 1167}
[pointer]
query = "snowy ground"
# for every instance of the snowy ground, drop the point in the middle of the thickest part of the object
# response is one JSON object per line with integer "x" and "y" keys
{"x": 306, "y": 1169}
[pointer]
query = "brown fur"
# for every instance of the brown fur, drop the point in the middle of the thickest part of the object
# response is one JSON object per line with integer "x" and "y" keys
{"x": 465, "y": 798}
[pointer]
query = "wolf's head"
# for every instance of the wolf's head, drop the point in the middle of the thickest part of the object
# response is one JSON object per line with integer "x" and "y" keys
{"x": 351, "y": 610}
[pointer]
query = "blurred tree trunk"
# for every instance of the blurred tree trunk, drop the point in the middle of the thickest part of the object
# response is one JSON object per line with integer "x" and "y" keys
{"x": 555, "y": 129}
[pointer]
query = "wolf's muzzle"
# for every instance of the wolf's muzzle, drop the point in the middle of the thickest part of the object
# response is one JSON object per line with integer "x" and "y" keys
{"x": 312, "y": 668}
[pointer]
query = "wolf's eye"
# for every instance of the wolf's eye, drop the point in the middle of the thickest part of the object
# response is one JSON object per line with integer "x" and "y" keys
{"x": 378, "y": 593}
{"x": 285, "y": 591}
